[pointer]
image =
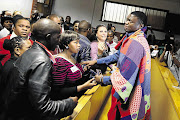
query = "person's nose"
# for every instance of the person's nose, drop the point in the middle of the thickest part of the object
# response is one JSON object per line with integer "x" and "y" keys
{"x": 24, "y": 28}
{"x": 79, "y": 45}
{"x": 127, "y": 22}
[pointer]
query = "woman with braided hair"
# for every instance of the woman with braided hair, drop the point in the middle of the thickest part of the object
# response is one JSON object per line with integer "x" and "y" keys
{"x": 17, "y": 46}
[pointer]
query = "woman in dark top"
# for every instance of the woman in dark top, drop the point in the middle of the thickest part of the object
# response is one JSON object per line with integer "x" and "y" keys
{"x": 17, "y": 46}
{"x": 67, "y": 73}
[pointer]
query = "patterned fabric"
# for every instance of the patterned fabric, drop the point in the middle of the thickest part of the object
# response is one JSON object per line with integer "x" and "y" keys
{"x": 131, "y": 79}
{"x": 66, "y": 73}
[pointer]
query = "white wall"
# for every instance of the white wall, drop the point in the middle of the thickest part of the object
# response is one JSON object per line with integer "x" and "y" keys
{"x": 83, "y": 10}
{"x": 77, "y": 9}
{"x": 21, "y": 5}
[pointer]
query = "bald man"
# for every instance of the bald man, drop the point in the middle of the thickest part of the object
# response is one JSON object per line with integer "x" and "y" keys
{"x": 55, "y": 18}
{"x": 27, "y": 95}
{"x": 85, "y": 49}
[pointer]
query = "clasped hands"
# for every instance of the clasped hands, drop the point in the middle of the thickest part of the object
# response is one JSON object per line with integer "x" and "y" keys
{"x": 98, "y": 77}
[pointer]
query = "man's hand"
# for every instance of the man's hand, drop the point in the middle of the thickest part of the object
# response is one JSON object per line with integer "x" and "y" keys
{"x": 87, "y": 85}
{"x": 75, "y": 99}
{"x": 89, "y": 63}
{"x": 98, "y": 78}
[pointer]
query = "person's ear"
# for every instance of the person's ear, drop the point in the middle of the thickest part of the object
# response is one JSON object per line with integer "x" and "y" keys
{"x": 48, "y": 37}
{"x": 13, "y": 27}
{"x": 17, "y": 52}
{"x": 142, "y": 25}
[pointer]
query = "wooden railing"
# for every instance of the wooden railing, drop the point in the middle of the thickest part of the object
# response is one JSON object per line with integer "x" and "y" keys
{"x": 90, "y": 103}
{"x": 165, "y": 98}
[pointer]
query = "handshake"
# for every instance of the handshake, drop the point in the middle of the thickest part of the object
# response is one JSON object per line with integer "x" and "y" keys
{"x": 97, "y": 76}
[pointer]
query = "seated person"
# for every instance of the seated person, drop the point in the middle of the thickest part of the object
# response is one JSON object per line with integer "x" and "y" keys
{"x": 112, "y": 44}
{"x": 67, "y": 72}
{"x": 99, "y": 47}
{"x": 171, "y": 55}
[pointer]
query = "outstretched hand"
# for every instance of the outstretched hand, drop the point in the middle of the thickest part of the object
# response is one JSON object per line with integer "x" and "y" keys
{"x": 87, "y": 85}
{"x": 90, "y": 83}
{"x": 89, "y": 63}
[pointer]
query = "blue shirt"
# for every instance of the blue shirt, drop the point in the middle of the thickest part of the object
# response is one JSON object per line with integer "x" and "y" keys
{"x": 110, "y": 59}
{"x": 85, "y": 49}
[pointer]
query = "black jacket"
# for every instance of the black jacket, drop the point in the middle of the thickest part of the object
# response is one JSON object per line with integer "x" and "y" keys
{"x": 5, "y": 74}
{"x": 27, "y": 93}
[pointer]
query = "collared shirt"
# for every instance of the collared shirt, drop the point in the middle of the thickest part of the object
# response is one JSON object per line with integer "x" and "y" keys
{"x": 13, "y": 35}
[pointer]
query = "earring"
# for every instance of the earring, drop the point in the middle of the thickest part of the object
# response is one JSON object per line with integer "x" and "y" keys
{"x": 67, "y": 47}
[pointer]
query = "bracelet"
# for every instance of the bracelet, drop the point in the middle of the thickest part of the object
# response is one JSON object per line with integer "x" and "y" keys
{"x": 101, "y": 79}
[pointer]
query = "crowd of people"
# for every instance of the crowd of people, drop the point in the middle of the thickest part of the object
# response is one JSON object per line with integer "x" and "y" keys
{"x": 48, "y": 63}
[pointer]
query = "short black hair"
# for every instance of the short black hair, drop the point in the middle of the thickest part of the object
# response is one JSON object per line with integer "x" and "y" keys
{"x": 68, "y": 16}
{"x": 141, "y": 15}
{"x": 76, "y": 21}
{"x": 66, "y": 37}
{"x": 3, "y": 12}
{"x": 98, "y": 26}
{"x": 18, "y": 17}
